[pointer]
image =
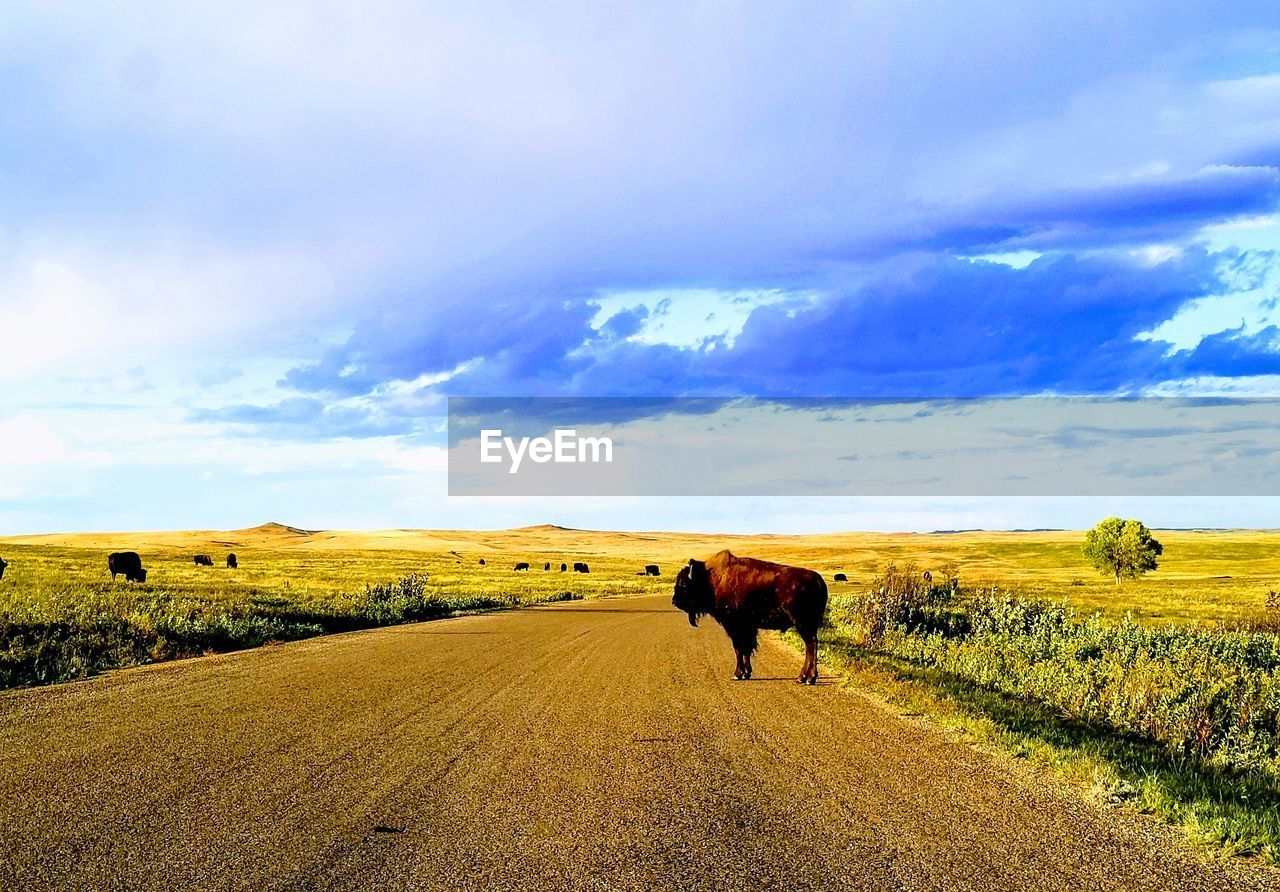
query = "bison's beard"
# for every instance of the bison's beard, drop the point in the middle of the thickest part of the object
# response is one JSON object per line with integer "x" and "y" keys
{"x": 693, "y": 618}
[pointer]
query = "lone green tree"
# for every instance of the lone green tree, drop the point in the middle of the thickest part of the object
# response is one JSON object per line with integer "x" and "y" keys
{"x": 1122, "y": 548}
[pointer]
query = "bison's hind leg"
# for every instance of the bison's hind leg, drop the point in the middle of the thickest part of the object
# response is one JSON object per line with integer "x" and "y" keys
{"x": 809, "y": 671}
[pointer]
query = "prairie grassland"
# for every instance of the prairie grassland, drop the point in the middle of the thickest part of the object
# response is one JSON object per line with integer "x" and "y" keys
{"x": 293, "y": 582}
{"x": 1204, "y": 577}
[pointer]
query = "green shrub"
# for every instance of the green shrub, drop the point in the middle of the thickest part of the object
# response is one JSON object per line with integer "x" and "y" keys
{"x": 899, "y": 598}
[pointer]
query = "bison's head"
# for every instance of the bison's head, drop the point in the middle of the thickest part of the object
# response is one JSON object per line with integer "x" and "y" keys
{"x": 694, "y": 594}
{"x": 141, "y": 577}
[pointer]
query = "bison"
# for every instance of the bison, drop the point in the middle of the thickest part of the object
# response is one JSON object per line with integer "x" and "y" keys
{"x": 745, "y": 595}
{"x": 840, "y": 577}
{"x": 203, "y": 560}
{"x": 482, "y": 562}
{"x": 127, "y": 563}
{"x": 232, "y": 563}
{"x": 523, "y": 565}
{"x": 546, "y": 566}
{"x": 580, "y": 567}
{"x": 564, "y": 567}
{"x": 651, "y": 570}
{"x": 2, "y": 566}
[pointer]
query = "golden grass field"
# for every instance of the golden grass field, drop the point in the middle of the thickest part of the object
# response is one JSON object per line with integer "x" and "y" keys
{"x": 1204, "y": 576}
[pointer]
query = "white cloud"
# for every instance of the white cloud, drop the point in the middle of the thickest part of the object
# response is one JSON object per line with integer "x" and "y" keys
{"x": 128, "y": 303}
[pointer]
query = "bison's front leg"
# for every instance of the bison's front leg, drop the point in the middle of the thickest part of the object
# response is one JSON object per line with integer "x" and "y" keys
{"x": 739, "y": 673}
{"x": 744, "y": 644}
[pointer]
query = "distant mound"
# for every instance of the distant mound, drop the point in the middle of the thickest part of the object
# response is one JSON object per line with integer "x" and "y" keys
{"x": 546, "y": 528}
{"x": 279, "y": 529}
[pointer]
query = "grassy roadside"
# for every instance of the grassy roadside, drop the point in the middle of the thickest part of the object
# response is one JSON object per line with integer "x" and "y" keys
{"x": 1227, "y": 799}
{"x": 1231, "y": 811}
{"x": 40, "y": 646}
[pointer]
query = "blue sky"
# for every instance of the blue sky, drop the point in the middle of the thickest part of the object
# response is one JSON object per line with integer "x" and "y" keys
{"x": 245, "y": 254}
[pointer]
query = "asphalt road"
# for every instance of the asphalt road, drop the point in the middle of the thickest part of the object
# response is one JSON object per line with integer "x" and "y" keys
{"x": 591, "y": 745}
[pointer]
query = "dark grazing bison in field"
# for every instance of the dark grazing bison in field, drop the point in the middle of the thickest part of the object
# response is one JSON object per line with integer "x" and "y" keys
{"x": 232, "y": 563}
{"x": 482, "y": 562}
{"x": 203, "y": 560}
{"x": 523, "y": 565}
{"x": 580, "y": 567}
{"x": 651, "y": 570}
{"x": 564, "y": 567}
{"x": 2, "y": 566}
{"x": 745, "y": 595}
{"x": 546, "y": 566}
{"x": 840, "y": 577}
{"x": 128, "y": 564}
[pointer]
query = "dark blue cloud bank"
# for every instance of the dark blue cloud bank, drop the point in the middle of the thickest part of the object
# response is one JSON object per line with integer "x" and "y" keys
{"x": 919, "y": 322}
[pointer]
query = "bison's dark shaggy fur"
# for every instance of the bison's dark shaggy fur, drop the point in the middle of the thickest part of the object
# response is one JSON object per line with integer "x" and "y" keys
{"x": 127, "y": 563}
{"x": 564, "y": 567}
{"x": 840, "y": 577}
{"x": 651, "y": 569}
{"x": 232, "y": 563}
{"x": 203, "y": 560}
{"x": 745, "y": 595}
{"x": 580, "y": 567}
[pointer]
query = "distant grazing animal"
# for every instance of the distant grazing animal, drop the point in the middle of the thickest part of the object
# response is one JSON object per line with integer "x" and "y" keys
{"x": 745, "y": 595}
{"x": 546, "y": 566}
{"x": 482, "y": 562}
{"x": 2, "y": 566}
{"x": 564, "y": 567}
{"x": 523, "y": 565}
{"x": 580, "y": 567}
{"x": 928, "y": 577}
{"x": 232, "y": 563}
{"x": 651, "y": 570}
{"x": 127, "y": 563}
{"x": 203, "y": 560}
{"x": 840, "y": 577}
